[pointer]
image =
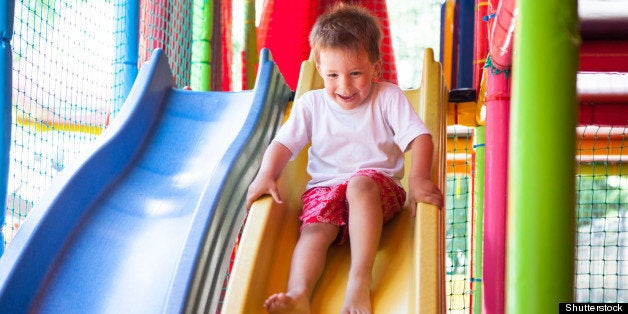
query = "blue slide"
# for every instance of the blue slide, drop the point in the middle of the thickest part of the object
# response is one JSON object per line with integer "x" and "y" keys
{"x": 146, "y": 221}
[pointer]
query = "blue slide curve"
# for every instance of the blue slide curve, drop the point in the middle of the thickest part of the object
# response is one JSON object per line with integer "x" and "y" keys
{"x": 146, "y": 221}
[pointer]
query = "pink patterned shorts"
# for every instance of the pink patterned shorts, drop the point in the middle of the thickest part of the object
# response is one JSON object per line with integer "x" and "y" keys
{"x": 329, "y": 204}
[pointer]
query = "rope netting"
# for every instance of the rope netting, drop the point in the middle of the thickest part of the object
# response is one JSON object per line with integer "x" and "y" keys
{"x": 196, "y": 37}
{"x": 68, "y": 81}
{"x": 602, "y": 215}
{"x": 601, "y": 211}
{"x": 63, "y": 88}
{"x": 168, "y": 25}
{"x": 458, "y": 219}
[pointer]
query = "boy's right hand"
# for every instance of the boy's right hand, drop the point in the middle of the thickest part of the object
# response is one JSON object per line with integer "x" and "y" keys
{"x": 262, "y": 185}
{"x": 275, "y": 159}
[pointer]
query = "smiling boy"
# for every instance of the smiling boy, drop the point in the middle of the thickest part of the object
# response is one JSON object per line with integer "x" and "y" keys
{"x": 358, "y": 129}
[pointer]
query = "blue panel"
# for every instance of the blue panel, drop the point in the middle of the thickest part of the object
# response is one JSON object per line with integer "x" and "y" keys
{"x": 6, "y": 32}
{"x": 6, "y": 20}
{"x": 465, "y": 43}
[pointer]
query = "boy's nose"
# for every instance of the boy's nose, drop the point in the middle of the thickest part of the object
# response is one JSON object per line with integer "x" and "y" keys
{"x": 344, "y": 82}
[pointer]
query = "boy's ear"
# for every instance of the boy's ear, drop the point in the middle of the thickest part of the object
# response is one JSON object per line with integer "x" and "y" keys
{"x": 377, "y": 70}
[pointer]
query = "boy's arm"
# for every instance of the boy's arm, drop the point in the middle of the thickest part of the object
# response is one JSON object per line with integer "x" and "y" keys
{"x": 275, "y": 159}
{"x": 421, "y": 187}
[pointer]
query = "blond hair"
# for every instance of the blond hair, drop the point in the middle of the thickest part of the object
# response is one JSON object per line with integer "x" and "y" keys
{"x": 347, "y": 26}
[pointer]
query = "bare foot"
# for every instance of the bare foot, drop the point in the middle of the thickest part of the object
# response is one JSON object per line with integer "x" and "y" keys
{"x": 357, "y": 299}
{"x": 284, "y": 303}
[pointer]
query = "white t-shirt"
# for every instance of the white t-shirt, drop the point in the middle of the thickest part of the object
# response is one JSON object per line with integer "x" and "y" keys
{"x": 372, "y": 136}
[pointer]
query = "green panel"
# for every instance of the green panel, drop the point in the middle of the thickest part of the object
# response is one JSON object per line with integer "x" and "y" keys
{"x": 202, "y": 17}
{"x": 250, "y": 58}
{"x": 478, "y": 208}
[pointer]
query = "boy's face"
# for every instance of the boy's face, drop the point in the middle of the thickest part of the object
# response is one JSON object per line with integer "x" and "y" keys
{"x": 347, "y": 75}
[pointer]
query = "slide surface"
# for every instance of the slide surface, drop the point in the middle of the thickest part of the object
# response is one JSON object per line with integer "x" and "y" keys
{"x": 145, "y": 223}
{"x": 407, "y": 277}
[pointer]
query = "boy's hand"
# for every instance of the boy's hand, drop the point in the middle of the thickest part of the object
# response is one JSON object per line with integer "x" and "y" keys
{"x": 423, "y": 190}
{"x": 275, "y": 159}
{"x": 260, "y": 186}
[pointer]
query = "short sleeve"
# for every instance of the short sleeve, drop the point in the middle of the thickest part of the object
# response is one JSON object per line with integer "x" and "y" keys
{"x": 296, "y": 132}
{"x": 404, "y": 121}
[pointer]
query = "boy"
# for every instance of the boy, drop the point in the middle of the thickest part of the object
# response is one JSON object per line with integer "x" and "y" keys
{"x": 359, "y": 130}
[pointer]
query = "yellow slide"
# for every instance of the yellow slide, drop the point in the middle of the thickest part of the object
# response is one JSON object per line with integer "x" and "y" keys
{"x": 409, "y": 274}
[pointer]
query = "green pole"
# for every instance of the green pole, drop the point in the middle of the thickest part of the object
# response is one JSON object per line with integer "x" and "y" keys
{"x": 250, "y": 58}
{"x": 541, "y": 187}
{"x": 478, "y": 221}
{"x": 201, "y": 72}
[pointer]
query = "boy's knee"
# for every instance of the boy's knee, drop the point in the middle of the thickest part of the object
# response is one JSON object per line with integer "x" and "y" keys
{"x": 362, "y": 186}
{"x": 319, "y": 236}
{"x": 320, "y": 230}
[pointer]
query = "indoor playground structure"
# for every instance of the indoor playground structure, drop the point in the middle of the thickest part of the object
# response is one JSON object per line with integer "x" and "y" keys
{"x": 124, "y": 189}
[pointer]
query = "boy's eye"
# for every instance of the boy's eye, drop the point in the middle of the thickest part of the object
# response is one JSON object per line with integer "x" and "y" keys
{"x": 332, "y": 75}
{"x": 355, "y": 73}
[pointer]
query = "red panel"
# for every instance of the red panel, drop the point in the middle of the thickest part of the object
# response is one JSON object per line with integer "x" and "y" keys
{"x": 226, "y": 22}
{"x": 604, "y": 56}
{"x": 604, "y": 114}
{"x": 603, "y": 98}
{"x": 284, "y": 29}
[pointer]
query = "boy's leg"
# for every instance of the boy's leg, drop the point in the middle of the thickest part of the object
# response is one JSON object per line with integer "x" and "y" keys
{"x": 365, "y": 228}
{"x": 308, "y": 262}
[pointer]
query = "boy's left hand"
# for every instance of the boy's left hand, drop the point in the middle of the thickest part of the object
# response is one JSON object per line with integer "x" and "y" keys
{"x": 423, "y": 190}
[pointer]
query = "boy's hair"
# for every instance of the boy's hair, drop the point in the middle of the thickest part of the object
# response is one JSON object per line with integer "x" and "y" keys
{"x": 347, "y": 26}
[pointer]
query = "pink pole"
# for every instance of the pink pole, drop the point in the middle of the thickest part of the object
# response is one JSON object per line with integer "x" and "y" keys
{"x": 495, "y": 199}
{"x": 502, "y": 35}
